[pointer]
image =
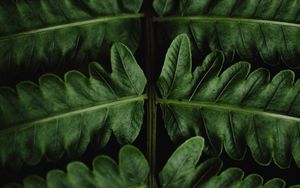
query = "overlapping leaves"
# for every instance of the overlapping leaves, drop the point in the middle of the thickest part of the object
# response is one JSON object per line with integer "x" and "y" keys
{"x": 66, "y": 115}
{"x": 234, "y": 109}
{"x": 250, "y": 29}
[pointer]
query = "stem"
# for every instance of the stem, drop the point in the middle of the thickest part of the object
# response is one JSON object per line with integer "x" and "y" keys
{"x": 69, "y": 25}
{"x": 151, "y": 135}
{"x": 151, "y": 106}
{"x": 223, "y": 19}
{"x": 74, "y": 112}
{"x": 227, "y": 108}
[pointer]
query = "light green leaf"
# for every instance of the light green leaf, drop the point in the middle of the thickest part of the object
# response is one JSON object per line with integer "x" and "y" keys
{"x": 265, "y": 31}
{"x": 106, "y": 173}
{"x": 234, "y": 109}
{"x": 45, "y": 33}
{"x": 66, "y": 115}
{"x": 182, "y": 169}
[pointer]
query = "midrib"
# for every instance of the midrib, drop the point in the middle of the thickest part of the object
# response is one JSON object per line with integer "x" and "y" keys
{"x": 69, "y": 25}
{"x": 85, "y": 109}
{"x": 227, "y": 108}
{"x": 224, "y": 19}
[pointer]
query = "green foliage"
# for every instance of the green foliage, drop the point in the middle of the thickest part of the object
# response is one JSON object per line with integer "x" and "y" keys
{"x": 234, "y": 177}
{"x": 44, "y": 33}
{"x": 184, "y": 170}
{"x": 235, "y": 109}
{"x": 162, "y": 7}
{"x": 250, "y": 29}
{"x": 131, "y": 172}
{"x": 181, "y": 170}
{"x": 65, "y": 115}
{"x": 207, "y": 108}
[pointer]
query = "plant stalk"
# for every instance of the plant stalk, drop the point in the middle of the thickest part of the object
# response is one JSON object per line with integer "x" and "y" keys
{"x": 151, "y": 106}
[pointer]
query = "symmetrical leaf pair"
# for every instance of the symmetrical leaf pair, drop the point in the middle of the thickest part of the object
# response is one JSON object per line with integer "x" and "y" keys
{"x": 233, "y": 109}
{"x": 204, "y": 102}
{"x": 181, "y": 170}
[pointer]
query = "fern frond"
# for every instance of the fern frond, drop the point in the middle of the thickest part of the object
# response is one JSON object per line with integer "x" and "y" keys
{"x": 64, "y": 115}
{"x": 232, "y": 108}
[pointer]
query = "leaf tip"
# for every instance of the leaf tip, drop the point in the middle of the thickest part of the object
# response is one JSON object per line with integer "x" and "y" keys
{"x": 183, "y": 38}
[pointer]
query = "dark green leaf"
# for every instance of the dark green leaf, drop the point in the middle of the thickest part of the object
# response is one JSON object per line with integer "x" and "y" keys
{"x": 65, "y": 115}
{"x": 163, "y": 7}
{"x": 182, "y": 170}
{"x": 250, "y": 29}
{"x": 105, "y": 173}
{"x": 235, "y": 109}
{"x": 43, "y": 33}
{"x": 234, "y": 177}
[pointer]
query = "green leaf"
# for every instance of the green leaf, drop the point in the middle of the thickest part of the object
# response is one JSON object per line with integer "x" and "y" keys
{"x": 234, "y": 177}
{"x": 66, "y": 115}
{"x": 43, "y": 33}
{"x": 132, "y": 172}
{"x": 250, "y": 29}
{"x": 163, "y": 6}
{"x": 234, "y": 109}
{"x": 181, "y": 170}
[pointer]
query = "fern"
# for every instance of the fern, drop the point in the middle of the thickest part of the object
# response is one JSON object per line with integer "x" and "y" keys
{"x": 65, "y": 115}
{"x": 181, "y": 170}
{"x": 234, "y": 177}
{"x": 42, "y": 34}
{"x": 205, "y": 106}
{"x": 252, "y": 30}
{"x": 184, "y": 170}
{"x": 132, "y": 171}
{"x": 234, "y": 109}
